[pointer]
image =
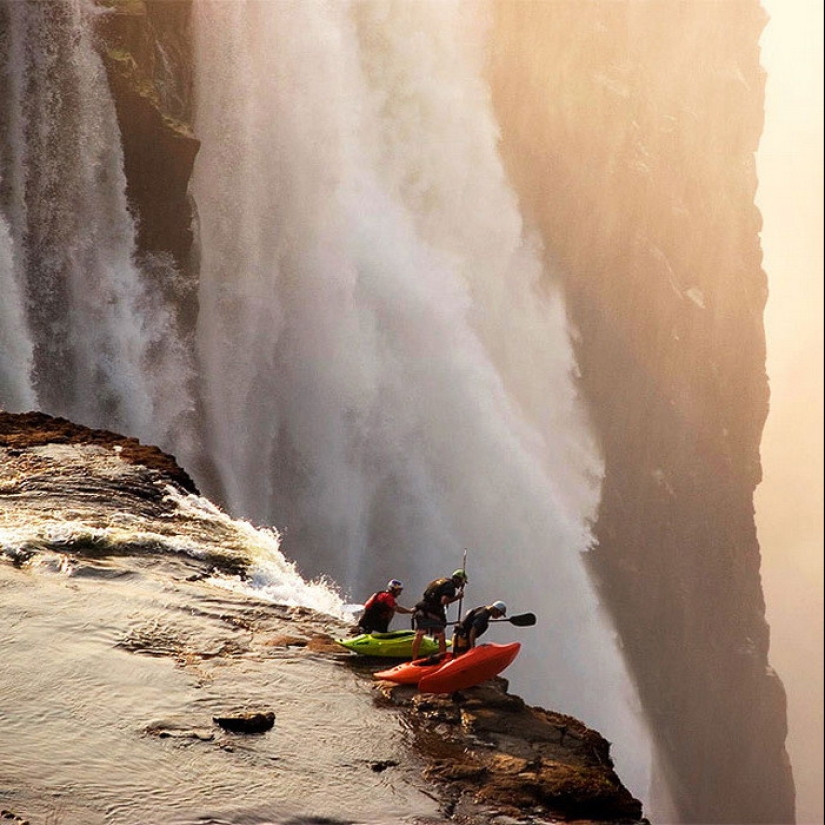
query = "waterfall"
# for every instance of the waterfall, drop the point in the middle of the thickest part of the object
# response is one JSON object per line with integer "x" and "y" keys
{"x": 16, "y": 345}
{"x": 95, "y": 340}
{"x": 16, "y": 392}
{"x": 385, "y": 361}
{"x": 382, "y": 356}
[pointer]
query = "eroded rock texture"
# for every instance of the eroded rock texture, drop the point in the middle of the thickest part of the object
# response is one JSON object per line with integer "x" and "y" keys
{"x": 146, "y": 49}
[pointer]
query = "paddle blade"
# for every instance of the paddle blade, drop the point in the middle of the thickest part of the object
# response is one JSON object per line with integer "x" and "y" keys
{"x": 523, "y": 619}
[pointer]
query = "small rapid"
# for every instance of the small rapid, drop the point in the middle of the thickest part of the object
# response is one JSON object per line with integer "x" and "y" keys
{"x": 78, "y": 502}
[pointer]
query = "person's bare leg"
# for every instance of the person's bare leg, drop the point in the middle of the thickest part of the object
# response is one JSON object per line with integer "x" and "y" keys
{"x": 442, "y": 642}
{"x": 419, "y": 635}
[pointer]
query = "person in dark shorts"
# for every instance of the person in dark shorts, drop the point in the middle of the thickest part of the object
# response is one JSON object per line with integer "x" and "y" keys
{"x": 430, "y": 617}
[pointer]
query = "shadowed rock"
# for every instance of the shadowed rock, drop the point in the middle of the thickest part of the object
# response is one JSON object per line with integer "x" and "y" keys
{"x": 246, "y": 722}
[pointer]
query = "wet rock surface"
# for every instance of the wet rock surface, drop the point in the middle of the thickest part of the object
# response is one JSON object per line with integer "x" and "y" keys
{"x": 260, "y": 683}
{"x": 492, "y": 755}
{"x": 34, "y": 429}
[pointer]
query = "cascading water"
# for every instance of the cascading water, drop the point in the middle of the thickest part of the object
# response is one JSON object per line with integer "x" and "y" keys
{"x": 383, "y": 359}
{"x": 15, "y": 340}
{"x": 96, "y": 342}
{"x": 385, "y": 363}
{"x": 16, "y": 390}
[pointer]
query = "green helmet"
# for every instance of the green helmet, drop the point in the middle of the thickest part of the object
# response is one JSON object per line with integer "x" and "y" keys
{"x": 459, "y": 574}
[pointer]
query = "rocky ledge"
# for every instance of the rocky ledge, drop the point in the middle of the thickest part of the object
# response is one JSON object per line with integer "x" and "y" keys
{"x": 498, "y": 760}
{"x": 482, "y": 754}
{"x": 19, "y": 431}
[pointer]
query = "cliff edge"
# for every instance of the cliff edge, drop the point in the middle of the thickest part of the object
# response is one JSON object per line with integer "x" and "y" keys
{"x": 643, "y": 135}
{"x": 241, "y": 665}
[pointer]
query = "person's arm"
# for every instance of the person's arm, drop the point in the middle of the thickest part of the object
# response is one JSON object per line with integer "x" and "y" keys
{"x": 445, "y": 600}
{"x": 400, "y": 609}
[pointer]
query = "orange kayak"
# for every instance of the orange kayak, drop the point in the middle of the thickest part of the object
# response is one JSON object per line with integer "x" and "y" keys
{"x": 409, "y": 673}
{"x": 475, "y": 666}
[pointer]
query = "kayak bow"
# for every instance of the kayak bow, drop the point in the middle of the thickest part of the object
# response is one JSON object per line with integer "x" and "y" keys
{"x": 477, "y": 665}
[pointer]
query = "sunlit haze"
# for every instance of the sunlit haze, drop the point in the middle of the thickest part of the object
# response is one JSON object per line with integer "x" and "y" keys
{"x": 466, "y": 283}
{"x": 789, "y": 501}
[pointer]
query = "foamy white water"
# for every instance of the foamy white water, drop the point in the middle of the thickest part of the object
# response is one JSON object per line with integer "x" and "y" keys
{"x": 387, "y": 372}
{"x": 55, "y": 525}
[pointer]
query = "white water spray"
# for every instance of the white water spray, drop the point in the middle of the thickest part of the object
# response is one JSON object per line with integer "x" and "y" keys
{"x": 16, "y": 391}
{"x": 95, "y": 340}
{"x": 386, "y": 366}
{"x": 16, "y": 346}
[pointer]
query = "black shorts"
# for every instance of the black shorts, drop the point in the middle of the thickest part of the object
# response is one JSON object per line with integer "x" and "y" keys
{"x": 428, "y": 622}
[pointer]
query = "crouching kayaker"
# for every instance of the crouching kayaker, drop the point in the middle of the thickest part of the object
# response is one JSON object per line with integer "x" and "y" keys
{"x": 381, "y": 607}
{"x": 475, "y": 624}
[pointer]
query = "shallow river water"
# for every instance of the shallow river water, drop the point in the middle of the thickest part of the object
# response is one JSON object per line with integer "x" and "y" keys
{"x": 115, "y": 655}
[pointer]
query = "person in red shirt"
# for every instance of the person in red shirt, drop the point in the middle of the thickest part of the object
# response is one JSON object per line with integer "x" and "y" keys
{"x": 381, "y": 607}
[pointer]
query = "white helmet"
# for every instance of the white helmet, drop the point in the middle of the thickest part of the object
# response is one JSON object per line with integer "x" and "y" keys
{"x": 501, "y": 607}
{"x": 394, "y": 584}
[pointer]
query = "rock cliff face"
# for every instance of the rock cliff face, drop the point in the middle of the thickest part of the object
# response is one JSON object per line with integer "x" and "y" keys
{"x": 146, "y": 51}
{"x": 644, "y": 146}
{"x": 634, "y": 159}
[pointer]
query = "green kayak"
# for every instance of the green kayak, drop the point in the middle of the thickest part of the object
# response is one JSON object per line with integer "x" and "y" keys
{"x": 396, "y": 644}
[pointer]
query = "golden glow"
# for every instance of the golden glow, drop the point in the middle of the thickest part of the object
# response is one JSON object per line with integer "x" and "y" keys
{"x": 789, "y": 502}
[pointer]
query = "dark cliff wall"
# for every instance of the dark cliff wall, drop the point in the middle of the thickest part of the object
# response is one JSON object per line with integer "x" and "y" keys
{"x": 629, "y": 131}
{"x": 632, "y": 147}
{"x": 146, "y": 49}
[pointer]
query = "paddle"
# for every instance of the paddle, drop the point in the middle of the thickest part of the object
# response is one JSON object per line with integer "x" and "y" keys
{"x": 464, "y": 568}
{"x": 519, "y": 620}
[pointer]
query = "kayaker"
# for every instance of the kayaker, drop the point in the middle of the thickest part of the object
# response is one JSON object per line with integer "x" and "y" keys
{"x": 430, "y": 617}
{"x": 381, "y": 607}
{"x": 475, "y": 624}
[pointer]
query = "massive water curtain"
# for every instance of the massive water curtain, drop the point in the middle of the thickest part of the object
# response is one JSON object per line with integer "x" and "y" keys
{"x": 16, "y": 391}
{"x": 16, "y": 345}
{"x": 103, "y": 348}
{"x": 386, "y": 368}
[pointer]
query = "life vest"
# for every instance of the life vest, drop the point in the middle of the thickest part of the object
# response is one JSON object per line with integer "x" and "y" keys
{"x": 381, "y": 607}
{"x": 430, "y": 603}
{"x": 478, "y": 617}
{"x": 435, "y": 590}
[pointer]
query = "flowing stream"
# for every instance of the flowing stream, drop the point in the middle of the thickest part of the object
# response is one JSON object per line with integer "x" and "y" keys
{"x": 122, "y": 641}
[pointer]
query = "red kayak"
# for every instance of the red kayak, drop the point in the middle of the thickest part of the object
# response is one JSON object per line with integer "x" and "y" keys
{"x": 409, "y": 673}
{"x": 475, "y": 666}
